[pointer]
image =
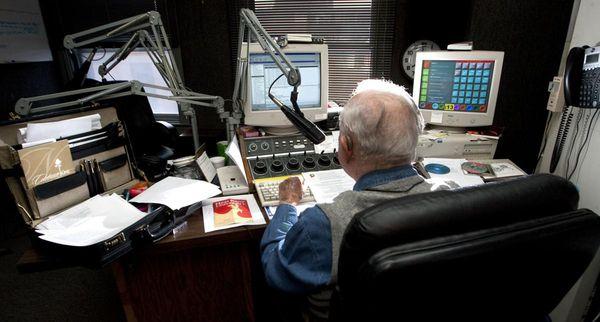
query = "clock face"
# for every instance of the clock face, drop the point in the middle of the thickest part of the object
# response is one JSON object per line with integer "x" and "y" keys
{"x": 410, "y": 55}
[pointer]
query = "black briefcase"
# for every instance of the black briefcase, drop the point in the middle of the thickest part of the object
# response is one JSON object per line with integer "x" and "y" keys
{"x": 111, "y": 152}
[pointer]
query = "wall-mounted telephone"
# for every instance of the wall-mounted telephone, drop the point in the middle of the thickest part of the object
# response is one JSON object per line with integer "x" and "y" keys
{"x": 582, "y": 77}
{"x": 581, "y": 88}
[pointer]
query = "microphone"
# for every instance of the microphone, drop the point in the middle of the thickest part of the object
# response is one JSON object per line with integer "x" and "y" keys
{"x": 308, "y": 128}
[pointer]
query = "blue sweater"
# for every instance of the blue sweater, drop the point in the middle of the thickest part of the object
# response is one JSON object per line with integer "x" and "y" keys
{"x": 296, "y": 250}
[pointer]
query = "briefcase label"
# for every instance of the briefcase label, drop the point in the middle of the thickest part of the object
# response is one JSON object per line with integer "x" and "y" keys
{"x": 46, "y": 162}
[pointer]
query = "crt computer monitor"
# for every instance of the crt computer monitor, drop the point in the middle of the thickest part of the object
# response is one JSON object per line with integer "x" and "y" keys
{"x": 311, "y": 60}
{"x": 457, "y": 88}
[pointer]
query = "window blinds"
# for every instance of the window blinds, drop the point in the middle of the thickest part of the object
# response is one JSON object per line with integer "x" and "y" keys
{"x": 359, "y": 35}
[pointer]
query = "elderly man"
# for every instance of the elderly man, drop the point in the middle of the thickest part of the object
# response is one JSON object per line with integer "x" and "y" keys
{"x": 379, "y": 129}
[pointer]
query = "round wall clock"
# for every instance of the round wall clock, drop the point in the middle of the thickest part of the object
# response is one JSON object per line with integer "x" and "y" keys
{"x": 410, "y": 55}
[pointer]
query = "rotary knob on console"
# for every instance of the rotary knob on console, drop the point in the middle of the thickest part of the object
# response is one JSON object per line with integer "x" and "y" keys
{"x": 308, "y": 162}
{"x": 324, "y": 161}
{"x": 276, "y": 166}
{"x": 293, "y": 164}
{"x": 260, "y": 167}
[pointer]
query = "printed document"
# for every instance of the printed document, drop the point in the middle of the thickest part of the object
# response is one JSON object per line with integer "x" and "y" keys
{"x": 326, "y": 185}
{"x": 177, "y": 193}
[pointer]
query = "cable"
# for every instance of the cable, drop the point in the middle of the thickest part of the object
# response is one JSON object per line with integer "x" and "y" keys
{"x": 572, "y": 145}
{"x": 587, "y": 136}
{"x": 545, "y": 138}
{"x": 273, "y": 83}
{"x": 561, "y": 137}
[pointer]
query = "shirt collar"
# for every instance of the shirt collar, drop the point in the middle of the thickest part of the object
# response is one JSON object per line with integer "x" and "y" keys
{"x": 379, "y": 177}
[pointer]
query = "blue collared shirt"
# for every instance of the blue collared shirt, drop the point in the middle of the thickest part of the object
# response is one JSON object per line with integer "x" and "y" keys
{"x": 296, "y": 250}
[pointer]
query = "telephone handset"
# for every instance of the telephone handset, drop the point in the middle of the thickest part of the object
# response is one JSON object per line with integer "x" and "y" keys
{"x": 582, "y": 77}
{"x": 582, "y": 89}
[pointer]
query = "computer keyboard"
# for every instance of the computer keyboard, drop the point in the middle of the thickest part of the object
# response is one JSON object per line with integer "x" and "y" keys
{"x": 268, "y": 191}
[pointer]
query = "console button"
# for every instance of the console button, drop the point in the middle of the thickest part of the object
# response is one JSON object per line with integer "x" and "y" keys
{"x": 324, "y": 161}
{"x": 293, "y": 164}
{"x": 276, "y": 166}
{"x": 308, "y": 162}
{"x": 260, "y": 167}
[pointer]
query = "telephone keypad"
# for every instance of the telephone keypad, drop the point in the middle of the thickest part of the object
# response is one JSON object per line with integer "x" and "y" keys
{"x": 589, "y": 96}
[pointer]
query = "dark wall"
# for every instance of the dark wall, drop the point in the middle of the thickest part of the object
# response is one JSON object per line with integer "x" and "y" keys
{"x": 444, "y": 22}
{"x": 532, "y": 35}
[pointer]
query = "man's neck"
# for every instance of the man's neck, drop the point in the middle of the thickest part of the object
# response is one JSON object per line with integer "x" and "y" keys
{"x": 368, "y": 167}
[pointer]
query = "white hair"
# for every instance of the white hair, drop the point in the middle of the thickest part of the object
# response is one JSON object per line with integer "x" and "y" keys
{"x": 383, "y": 136}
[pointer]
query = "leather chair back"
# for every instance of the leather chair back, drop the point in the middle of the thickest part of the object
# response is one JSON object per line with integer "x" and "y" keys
{"x": 506, "y": 251}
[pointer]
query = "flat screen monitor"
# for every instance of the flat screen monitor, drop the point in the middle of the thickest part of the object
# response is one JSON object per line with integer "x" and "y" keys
{"x": 457, "y": 88}
{"x": 311, "y": 60}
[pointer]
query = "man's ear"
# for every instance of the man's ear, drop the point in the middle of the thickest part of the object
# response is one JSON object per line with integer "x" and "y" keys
{"x": 346, "y": 144}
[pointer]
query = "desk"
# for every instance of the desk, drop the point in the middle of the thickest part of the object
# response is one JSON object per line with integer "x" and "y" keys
{"x": 195, "y": 275}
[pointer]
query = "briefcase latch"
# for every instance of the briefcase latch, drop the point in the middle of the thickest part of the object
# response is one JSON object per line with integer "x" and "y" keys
{"x": 115, "y": 241}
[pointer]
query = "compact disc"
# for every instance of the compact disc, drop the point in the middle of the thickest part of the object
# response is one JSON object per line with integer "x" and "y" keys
{"x": 437, "y": 168}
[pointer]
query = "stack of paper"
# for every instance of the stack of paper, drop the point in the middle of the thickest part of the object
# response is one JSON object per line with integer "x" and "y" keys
{"x": 177, "y": 193}
{"x": 52, "y": 130}
{"x": 90, "y": 222}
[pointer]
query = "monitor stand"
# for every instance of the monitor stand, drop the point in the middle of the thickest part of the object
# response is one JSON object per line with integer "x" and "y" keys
{"x": 281, "y": 131}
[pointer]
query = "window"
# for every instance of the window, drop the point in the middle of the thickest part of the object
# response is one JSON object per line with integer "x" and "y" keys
{"x": 359, "y": 35}
{"x": 137, "y": 66}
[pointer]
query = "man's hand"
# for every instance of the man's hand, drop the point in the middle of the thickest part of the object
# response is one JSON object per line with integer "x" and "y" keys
{"x": 290, "y": 191}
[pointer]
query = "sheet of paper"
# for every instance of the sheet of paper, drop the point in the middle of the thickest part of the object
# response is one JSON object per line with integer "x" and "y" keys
{"x": 233, "y": 151}
{"x": 299, "y": 209}
{"x": 207, "y": 168}
{"x": 504, "y": 169}
{"x": 231, "y": 211}
{"x": 177, "y": 193}
{"x": 326, "y": 185}
{"x": 90, "y": 222}
{"x": 330, "y": 143}
{"x": 456, "y": 174}
{"x": 50, "y": 130}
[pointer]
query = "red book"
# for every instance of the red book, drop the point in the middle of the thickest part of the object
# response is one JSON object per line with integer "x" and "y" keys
{"x": 231, "y": 211}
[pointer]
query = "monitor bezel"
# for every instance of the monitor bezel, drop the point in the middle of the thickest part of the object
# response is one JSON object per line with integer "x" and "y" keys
{"x": 275, "y": 118}
{"x": 458, "y": 118}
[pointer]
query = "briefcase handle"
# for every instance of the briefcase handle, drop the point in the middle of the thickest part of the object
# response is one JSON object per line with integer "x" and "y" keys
{"x": 153, "y": 232}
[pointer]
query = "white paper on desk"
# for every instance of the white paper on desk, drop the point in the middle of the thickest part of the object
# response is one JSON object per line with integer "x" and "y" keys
{"x": 208, "y": 213}
{"x": 328, "y": 184}
{"x": 330, "y": 143}
{"x": 299, "y": 209}
{"x": 207, "y": 167}
{"x": 90, "y": 222}
{"x": 233, "y": 151}
{"x": 177, "y": 193}
{"x": 456, "y": 174}
{"x": 505, "y": 169}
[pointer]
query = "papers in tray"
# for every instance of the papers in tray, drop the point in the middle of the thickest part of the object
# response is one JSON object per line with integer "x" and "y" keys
{"x": 53, "y": 130}
{"x": 177, "y": 193}
{"x": 231, "y": 211}
{"x": 92, "y": 221}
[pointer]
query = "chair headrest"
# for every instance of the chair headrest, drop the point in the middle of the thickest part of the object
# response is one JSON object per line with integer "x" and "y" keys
{"x": 441, "y": 213}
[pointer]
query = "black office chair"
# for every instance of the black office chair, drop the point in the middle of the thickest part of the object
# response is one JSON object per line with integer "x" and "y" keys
{"x": 152, "y": 142}
{"x": 505, "y": 251}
